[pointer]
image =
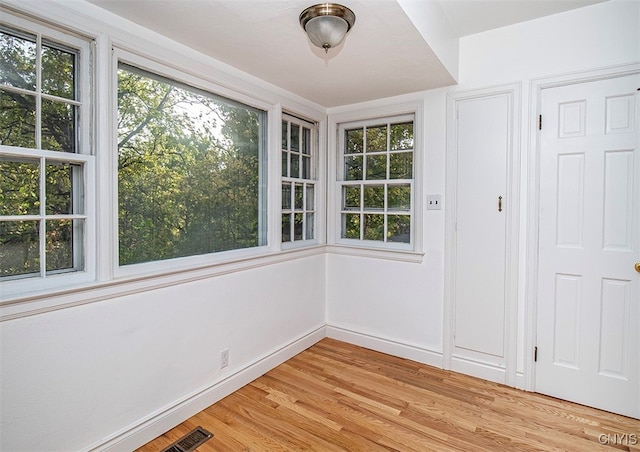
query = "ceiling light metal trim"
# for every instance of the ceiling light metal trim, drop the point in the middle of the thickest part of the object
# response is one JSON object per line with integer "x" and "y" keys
{"x": 330, "y": 10}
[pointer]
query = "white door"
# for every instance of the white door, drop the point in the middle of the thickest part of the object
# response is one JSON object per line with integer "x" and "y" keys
{"x": 589, "y": 241}
{"x": 479, "y": 310}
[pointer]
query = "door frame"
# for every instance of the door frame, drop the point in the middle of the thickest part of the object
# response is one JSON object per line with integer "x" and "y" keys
{"x": 533, "y": 190}
{"x": 512, "y": 195}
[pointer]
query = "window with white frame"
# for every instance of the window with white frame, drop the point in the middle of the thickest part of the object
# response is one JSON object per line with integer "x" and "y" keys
{"x": 299, "y": 180}
{"x": 376, "y": 182}
{"x": 191, "y": 170}
{"x": 46, "y": 166}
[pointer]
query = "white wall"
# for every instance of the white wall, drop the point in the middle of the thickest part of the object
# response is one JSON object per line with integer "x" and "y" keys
{"x": 124, "y": 361}
{"x": 73, "y": 377}
{"x": 398, "y": 302}
{"x": 433, "y": 25}
{"x": 81, "y": 376}
{"x": 398, "y": 307}
{"x": 596, "y": 36}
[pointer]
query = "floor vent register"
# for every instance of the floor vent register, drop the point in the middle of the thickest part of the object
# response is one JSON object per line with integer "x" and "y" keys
{"x": 190, "y": 441}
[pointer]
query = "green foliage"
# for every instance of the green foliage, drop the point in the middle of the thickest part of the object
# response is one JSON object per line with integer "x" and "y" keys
{"x": 188, "y": 171}
{"x": 387, "y": 151}
{"x": 188, "y": 164}
{"x": 20, "y": 191}
{"x": 18, "y": 110}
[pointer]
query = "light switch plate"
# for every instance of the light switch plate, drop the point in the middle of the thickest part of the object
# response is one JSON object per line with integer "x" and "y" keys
{"x": 434, "y": 202}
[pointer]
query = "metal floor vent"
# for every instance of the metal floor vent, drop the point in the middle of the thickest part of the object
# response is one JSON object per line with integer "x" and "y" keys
{"x": 190, "y": 441}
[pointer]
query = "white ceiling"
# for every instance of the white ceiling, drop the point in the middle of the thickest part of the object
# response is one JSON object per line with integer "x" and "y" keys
{"x": 468, "y": 17}
{"x": 383, "y": 55}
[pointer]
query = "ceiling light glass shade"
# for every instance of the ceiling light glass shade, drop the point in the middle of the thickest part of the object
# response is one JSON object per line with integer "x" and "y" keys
{"x": 326, "y": 31}
{"x": 327, "y": 24}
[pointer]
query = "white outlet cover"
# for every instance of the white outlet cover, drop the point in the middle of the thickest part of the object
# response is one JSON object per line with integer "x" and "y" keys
{"x": 434, "y": 202}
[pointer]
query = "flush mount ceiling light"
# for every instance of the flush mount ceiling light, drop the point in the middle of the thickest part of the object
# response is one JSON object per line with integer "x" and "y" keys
{"x": 327, "y": 24}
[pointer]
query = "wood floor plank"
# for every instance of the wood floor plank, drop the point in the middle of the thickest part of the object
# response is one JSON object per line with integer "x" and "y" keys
{"x": 336, "y": 397}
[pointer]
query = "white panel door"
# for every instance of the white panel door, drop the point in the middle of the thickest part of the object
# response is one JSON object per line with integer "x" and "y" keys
{"x": 483, "y": 138}
{"x": 589, "y": 241}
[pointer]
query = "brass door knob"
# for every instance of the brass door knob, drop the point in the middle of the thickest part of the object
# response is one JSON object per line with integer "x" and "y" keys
{"x": 637, "y": 267}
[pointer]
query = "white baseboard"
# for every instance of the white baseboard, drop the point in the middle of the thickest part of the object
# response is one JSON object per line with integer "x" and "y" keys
{"x": 168, "y": 417}
{"x": 385, "y": 345}
{"x": 478, "y": 369}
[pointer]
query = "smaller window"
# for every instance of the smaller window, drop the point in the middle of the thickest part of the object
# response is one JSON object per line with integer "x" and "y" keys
{"x": 376, "y": 183}
{"x": 299, "y": 181}
{"x": 45, "y": 158}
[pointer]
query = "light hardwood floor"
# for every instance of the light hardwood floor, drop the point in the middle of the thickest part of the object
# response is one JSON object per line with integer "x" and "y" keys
{"x": 336, "y": 396}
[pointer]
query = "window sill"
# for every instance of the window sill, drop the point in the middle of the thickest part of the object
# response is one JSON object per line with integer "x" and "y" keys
{"x": 299, "y": 244}
{"x": 35, "y": 303}
{"x": 40, "y": 302}
{"x": 387, "y": 254}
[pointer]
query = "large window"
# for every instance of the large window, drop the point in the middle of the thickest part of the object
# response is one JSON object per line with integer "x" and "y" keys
{"x": 299, "y": 181}
{"x": 45, "y": 161}
{"x": 190, "y": 170}
{"x": 375, "y": 179}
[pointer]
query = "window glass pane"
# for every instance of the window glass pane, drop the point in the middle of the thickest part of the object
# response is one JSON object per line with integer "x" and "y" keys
{"x": 399, "y": 197}
{"x": 373, "y": 227}
{"x": 295, "y": 137}
{"x": 351, "y": 197}
{"x": 59, "y": 245}
{"x": 188, "y": 178}
{"x": 295, "y": 165}
{"x": 401, "y": 165}
{"x": 285, "y": 135}
{"x": 286, "y": 227}
{"x": 19, "y": 187}
{"x": 353, "y": 168}
{"x": 285, "y": 169}
{"x": 399, "y": 228}
{"x": 306, "y": 167}
{"x": 309, "y": 232}
{"x": 297, "y": 226}
{"x": 374, "y": 197}
{"x": 376, "y": 167}
{"x": 58, "y": 126}
{"x": 58, "y": 72}
{"x": 355, "y": 141}
{"x": 286, "y": 196}
{"x": 384, "y": 171}
{"x": 299, "y": 197}
{"x": 17, "y": 61}
{"x": 19, "y": 248}
{"x": 376, "y": 138}
{"x": 306, "y": 141}
{"x": 17, "y": 119}
{"x": 350, "y": 226}
{"x": 310, "y": 198}
{"x": 402, "y": 136}
{"x": 59, "y": 189}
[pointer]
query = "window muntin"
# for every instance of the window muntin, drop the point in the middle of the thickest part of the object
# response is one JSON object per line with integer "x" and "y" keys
{"x": 376, "y": 183}
{"x": 44, "y": 155}
{"x": 190, "y": 170}
{"x": 299, "y": 180}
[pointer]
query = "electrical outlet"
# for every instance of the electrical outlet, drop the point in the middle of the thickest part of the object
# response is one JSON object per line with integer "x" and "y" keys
{"x": 224, "y": 358}
{"x": 434, "y": 202}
